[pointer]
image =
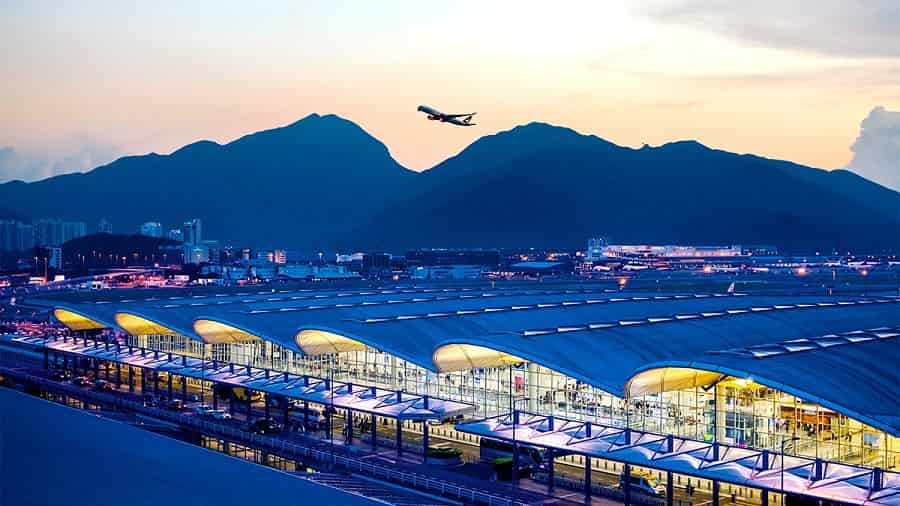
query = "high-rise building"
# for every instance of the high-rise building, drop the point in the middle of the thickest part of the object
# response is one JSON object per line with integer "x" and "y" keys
{"x": 152, "y": 229}
{"x": 176, "y": 235}
{"x": 54, "y": 231}
{"x": 104, "y": 227}
{"x": 279, "y": 256}
{"x": 16, "y": 236}
{"x": 213, "y": 251}
{"x": 192, "y": 232}
{"x": 55, "y": 260}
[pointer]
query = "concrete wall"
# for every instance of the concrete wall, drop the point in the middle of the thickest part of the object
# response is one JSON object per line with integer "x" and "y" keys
{"x": 52, "y": 455}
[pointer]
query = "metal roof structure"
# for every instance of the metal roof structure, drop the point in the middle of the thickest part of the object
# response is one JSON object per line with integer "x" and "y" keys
{"x": 340, "y": 394}
{"x": 842, "y": 483}
{"x": 839, "y": 351}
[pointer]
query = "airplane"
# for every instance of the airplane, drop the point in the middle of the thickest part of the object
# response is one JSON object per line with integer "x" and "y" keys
{"x": 456, "y": 119}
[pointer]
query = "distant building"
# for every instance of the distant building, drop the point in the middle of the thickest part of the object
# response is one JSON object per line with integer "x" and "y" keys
{"x": 176, "y": 235}
{"x": 245, "y": 254}
{"x": 279, "y": 256}
{"x": 594, "y": 250}
{"x": 16, "y": 236}
{"x": 152, "y": 229}
{"x": 213, "y": 251}
{"x": 192, "y": 231}
{"x": 486, "y": 258}
{"x": 439, "y": 272}
{"x": 376, "y": 263}
{"x": 104, "y": 227}
{"x": 195, "y": 254}
{"x": 55, "y": 232}
{"x": 55, "y": 259}
{"x": 670, "y": 251}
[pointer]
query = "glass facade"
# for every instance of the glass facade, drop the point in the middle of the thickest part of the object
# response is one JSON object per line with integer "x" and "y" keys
{"x": 733, "y": 410}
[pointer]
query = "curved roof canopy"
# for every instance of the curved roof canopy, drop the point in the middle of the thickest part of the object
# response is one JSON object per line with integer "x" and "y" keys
{"x": 815, "y": 345}
{"x": 140, "y": 326}
{"x": 461, "y": 357}
{"x": 75, "y": 321}
{"x": 322, "y": 342}
{"x": 215, "y": 332}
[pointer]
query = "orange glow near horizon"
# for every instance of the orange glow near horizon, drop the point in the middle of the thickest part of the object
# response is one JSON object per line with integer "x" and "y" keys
{"x": 136, "y": 79}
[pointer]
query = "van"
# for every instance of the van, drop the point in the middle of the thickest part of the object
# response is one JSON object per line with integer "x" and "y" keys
{"x": 644, "y": 483}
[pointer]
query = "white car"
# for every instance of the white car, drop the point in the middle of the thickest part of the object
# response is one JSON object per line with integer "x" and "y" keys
{"x": 203, "y": 410}
{"x": 220, "y": 414}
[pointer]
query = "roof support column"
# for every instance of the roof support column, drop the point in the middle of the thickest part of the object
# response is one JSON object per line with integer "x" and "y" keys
{"x": 588, "y": 490}
{"x": 626, "y": 483}
{"x": 670, "y": 488}
{"x": 130, "y": 379}
{"x": 425, "y": 441}
{"x": 184, "y": 396}
{"x": 170, "y": 380}
{"x": 374, "y": 432}
{"x": 551, "y": 470}
{"x": 715, "y": 492}
{"x": 399, "y": 424}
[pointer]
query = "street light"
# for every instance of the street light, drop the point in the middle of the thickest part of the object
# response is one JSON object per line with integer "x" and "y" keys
{"x": 783, "y": 441}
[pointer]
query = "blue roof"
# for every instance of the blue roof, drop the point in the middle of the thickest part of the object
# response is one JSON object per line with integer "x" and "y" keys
{"x": 602, "y": 337}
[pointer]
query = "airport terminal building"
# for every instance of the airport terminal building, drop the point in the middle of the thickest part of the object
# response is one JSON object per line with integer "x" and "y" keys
{"x": 797, "y": 392}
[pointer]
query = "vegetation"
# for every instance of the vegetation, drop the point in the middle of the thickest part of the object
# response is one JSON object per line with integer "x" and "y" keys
{"x": 444, "y": 453}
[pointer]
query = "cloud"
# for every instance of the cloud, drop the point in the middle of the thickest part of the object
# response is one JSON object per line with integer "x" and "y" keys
{"x": 829, "y": 27}
{"x": 77, "y": 153}
{"x": 876, "y": 152}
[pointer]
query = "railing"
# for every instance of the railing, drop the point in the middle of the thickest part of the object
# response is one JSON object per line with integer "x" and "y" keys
{"x": 286, "y": 448}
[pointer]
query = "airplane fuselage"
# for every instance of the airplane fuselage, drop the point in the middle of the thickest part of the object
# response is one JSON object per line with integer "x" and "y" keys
{"x": 436, "y": 115}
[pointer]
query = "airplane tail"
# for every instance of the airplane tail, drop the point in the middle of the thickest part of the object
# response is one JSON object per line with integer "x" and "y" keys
{"x": 731, "y": 287}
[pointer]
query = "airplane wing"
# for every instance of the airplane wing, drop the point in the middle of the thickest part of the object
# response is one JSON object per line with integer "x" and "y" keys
{"x": 460, "y": 115}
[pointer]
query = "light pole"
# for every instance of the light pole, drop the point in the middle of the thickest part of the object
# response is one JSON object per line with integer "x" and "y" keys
{"x": 783, "y": 441}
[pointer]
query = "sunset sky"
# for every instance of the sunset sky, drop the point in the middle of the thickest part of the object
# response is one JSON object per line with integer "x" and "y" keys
{"x": 85, "y": 82}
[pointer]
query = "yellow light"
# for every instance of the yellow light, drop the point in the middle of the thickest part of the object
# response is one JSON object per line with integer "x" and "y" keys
{"x": 707, "y": 269}
{"x": 801, "y": 271}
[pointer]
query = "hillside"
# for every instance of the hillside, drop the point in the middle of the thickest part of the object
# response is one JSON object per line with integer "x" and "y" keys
{"x": 323, "y": 183}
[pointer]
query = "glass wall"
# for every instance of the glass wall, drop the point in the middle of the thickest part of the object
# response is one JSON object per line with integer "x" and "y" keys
{"x": 740, "y": 412}
{"x": 733, "y": 411}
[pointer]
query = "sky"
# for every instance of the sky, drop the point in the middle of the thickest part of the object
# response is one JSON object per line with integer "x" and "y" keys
{"x": 815, "y": 82}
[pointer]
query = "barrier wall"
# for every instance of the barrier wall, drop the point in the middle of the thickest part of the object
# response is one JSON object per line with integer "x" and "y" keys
{"x": 52, "y": 455}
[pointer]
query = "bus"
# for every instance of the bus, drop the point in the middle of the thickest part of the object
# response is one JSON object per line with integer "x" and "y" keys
{"x": 529, "y": 456}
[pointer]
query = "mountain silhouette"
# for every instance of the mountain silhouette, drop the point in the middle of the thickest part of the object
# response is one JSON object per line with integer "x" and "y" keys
{"x": 324, "y": 183}
{"x": 298, "y": 185}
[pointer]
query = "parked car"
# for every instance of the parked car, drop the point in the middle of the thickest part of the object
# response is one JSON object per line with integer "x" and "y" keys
{"x": 62, "y": 375}
{"x": 203, "y": 410}
{"x": 82, "y": 381}
{"x": 220, "y": 414}
{"x": 264, "y": 426}
{"x": 644, "y": 483}
{"x": 175, "y": 404}
{"x": 104, "y": 385}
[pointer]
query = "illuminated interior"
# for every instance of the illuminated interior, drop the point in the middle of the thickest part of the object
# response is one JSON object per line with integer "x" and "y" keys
{"x": 74, "y": 321}
{"x": 665, "y": 379}
{"x": 320, "y": 342}
{"x": 462, "y": 357}
{"x": 709, "y": 406}
{"x": 214, "y": 332}
{"x": 137, "y": 326}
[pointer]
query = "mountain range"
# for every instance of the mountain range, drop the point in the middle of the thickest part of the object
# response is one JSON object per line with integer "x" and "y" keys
{"x": 323, "y": 183}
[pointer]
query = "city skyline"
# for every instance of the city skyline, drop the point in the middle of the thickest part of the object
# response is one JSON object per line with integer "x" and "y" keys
{"x": 105, "y": 81}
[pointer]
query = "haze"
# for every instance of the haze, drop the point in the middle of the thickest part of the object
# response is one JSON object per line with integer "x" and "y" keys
{"x": 85, "y": 82}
